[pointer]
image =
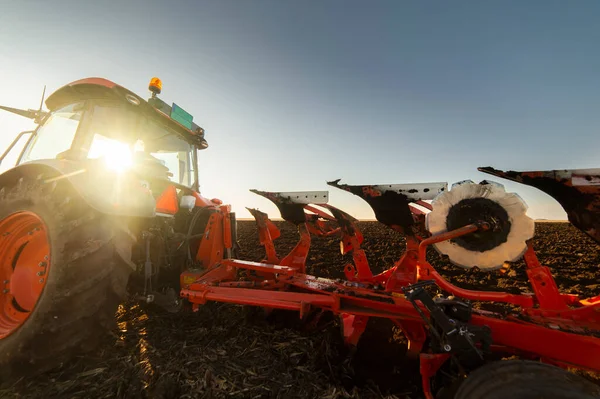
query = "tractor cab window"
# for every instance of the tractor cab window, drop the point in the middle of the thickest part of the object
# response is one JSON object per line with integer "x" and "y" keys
{"x": 169, "y": 149}
{"x": 125, "y": 138}
{"x": 55, "y": 135}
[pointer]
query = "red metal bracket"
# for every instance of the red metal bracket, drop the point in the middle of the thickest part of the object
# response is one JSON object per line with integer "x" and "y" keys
{"x": 430, "y": 364}
{"x": 415, "y": 334}
{"x": 296, "y": 259}
{"x": 267, "y": 232}
{"x": 353, "y": 327}
{"x": 544, "y": 286}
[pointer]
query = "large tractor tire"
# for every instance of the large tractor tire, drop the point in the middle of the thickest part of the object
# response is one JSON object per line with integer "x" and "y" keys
{"x": 63, "y": 273}
{"x": 522, "y": 379}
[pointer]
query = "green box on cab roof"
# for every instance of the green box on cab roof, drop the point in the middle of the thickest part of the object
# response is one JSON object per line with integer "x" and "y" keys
{"x": 178, "y": 114}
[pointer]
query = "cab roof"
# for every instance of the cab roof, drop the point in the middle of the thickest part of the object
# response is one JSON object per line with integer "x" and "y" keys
{"x": 100, "y": 88}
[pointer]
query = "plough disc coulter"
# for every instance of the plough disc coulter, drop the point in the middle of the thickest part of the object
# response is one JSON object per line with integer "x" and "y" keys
{"x": 474, "y": 225}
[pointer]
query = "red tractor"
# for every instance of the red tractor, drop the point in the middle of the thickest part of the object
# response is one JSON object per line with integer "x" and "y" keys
{"x": 104, "y": 200}
{"x": 106, "y": 187}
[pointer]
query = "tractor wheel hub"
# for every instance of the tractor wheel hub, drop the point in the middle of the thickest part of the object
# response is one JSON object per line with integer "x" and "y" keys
{"x": 25, "y": 249}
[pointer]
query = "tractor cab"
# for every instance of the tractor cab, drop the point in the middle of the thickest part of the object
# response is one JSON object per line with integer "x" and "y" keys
{"x": 109, "y": 131}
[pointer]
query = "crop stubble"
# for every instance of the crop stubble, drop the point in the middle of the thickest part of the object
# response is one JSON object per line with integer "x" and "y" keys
{"x": 228, "y": 351}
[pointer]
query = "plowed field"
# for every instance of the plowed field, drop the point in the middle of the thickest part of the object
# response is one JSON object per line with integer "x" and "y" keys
{"x": 228, "y": 351}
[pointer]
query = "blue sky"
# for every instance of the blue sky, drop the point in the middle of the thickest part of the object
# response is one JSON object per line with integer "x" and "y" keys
{"x": 293, "y": 94}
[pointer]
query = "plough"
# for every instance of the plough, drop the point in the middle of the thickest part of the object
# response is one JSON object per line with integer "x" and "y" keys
{"x": 556, "y": 328}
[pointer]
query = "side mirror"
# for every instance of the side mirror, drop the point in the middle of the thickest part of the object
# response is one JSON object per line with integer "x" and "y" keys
{"x": 15, "y": 149}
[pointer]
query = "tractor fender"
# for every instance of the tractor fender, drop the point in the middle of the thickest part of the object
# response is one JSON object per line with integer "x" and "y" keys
{"x": 106, "y": 192}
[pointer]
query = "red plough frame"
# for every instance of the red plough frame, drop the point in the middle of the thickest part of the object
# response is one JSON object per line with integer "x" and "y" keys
{"x": 550, "y": 326}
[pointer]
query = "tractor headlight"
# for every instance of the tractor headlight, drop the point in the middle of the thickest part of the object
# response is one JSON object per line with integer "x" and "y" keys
{"x": 117, "y": 155}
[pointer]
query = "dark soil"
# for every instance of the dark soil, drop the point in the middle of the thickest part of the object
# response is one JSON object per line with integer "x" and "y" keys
{"x": 228, "y": 351}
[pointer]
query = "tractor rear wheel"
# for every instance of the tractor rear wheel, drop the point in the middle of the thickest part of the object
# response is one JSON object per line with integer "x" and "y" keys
{"x": 522, "y": 379}
{"x": 63, "y": 273}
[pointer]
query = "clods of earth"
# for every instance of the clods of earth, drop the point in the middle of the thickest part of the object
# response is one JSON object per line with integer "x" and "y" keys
{"x": 229, "y": 351}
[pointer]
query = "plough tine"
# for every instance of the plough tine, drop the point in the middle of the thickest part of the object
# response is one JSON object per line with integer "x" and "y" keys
{"x": 291, "y": 204}
{"x": 317, "y": 222}
{"x": 263, "y": 221}
{"x": 390, "y": 202}
{"x": 576, "y": 190}
{"x": 351, "y": 238}
{"x": 319, "y": 227}
{"x": 267, "y": 232}
{"x": 319, "y": 212}
{"x": 346, "y": 223}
